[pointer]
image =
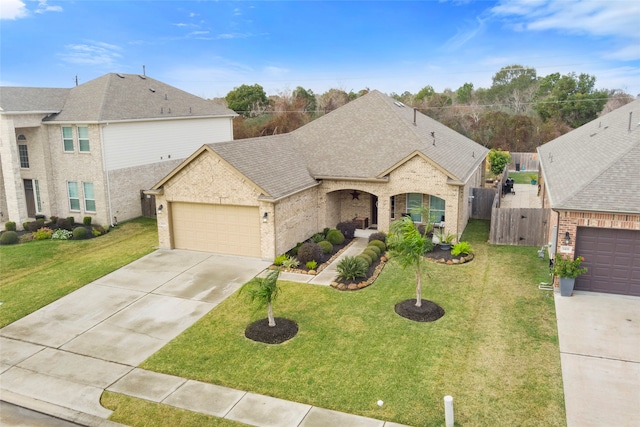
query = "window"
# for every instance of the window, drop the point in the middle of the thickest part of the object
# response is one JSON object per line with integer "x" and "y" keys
{"x": 414, "y": 204}
{"x": 24, "y": 156}
{"x": 83, "y": 139}
{"x": 67, "y": 138}
{"x": 36, "y": 186}
{"x": 74, "y": 198}
{"x": 393, "y": 207}
{"x": 436, "y": 209}
{"x": 89, "y": 198}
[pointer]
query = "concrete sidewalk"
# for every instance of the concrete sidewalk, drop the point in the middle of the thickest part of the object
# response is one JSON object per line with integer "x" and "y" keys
{"x": 59, "y": 359}
{"x": 600, "y": 356}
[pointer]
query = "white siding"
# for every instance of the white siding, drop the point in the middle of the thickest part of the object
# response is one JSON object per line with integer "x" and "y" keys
{"x": 140, "y": 143}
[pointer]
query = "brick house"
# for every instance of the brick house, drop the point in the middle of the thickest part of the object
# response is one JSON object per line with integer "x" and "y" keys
{"x": 373, "y": 159}
{"x": 590, "y": 178}
{"x": 91, "y": 149}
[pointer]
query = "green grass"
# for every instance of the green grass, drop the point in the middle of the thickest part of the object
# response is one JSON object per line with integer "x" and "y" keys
{"x": 37, "y": 273}
{"x": 523, "y": 177}
{"x": 143, "y": 413}
{"x": 495, "y": 350}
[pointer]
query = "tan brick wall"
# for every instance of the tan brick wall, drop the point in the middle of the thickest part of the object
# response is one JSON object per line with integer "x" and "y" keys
{"x": 296, "y": 219}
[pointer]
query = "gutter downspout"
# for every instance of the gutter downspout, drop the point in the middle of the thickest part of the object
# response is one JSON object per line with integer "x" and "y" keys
{"x": 106, "y": 172}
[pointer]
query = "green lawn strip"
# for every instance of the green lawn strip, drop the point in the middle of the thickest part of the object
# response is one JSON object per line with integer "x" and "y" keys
{"x": 495, "y": 350}
{"x": 37, "y": 273}
{"x": 523, "y": 177}
{"x": 143, "y": 413}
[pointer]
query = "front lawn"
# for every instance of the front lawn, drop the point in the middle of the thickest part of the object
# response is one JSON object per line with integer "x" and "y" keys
{"x": 495, "y": 350}
{"x": 36, "y": 273}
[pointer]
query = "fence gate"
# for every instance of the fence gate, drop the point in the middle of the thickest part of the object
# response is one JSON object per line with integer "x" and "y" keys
{"x": 520, "y": 226}
{"x": 148, "y": 205}
{"x": 482, "y": 202}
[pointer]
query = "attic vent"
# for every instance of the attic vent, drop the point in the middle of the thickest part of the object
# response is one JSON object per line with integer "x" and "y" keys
{"x": 152, "y": 90}
{"x": 142, "y": 77}
{"x": 399, "y": 104}
{"x": 120, "y": 75}
{"x": 21, "y": 137}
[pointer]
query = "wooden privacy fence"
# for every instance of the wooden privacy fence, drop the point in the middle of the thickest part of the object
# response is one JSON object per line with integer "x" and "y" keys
{"x": 482, "y": 203}
{"x": 524, "y": 162}
{"x": 519, "y": 226}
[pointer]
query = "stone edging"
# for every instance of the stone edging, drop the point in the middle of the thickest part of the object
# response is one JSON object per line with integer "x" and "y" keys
{"x": 462, "y": 260}
{"x": 363, "y": 284}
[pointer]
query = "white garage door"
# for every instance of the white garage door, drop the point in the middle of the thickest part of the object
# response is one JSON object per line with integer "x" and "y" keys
{"x": 226, "y": 229}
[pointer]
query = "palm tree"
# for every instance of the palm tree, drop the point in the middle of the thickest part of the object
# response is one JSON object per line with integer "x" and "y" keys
{"x": 264, "y": 290}
{"x": 408, "y": 246}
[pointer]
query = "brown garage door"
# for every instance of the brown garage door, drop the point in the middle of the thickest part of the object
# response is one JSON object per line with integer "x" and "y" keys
{"x": 223, "y": 229}
{"x": 613, "y": 260}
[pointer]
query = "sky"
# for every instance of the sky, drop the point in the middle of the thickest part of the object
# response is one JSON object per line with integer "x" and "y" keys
{"x": 210, "y": 47}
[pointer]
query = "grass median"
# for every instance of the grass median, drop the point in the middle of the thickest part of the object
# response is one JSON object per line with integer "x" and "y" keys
{"x": 495, "y": 350}
{"x": 36, "y": 273}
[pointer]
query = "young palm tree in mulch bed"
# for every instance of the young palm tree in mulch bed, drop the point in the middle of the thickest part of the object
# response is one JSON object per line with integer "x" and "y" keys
{"x": 408, "y": 247}
{"x": 272, "y": 330}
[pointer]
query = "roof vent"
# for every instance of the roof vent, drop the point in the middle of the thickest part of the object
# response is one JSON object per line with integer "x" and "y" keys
{"x": 120, "y": 75}
{"x": 399, "y": 104}
{"x": 142, "y": 77}
{"x": 152, "y": 90}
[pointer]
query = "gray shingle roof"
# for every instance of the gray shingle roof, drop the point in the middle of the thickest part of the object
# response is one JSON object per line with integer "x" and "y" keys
{"x": 32, "y": 99}
{"x": 111, "y": 97}
{"x": 272, "y": 162}
{"x": 373, "y": 133}
{"x": 597, "y": 166}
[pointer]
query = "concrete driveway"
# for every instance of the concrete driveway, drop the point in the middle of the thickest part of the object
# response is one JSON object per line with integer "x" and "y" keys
{"x": 65, "y": 354}
{"x": 600, "y": 355}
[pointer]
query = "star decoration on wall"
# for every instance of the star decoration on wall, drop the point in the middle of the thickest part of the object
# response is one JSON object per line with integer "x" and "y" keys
{"x": 355, "y": 195}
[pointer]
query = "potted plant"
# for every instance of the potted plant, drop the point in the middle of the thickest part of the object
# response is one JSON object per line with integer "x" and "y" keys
{"x": 567, "y": 270}
{"x": 534, "y": 179}
{"x": 445, "y": 240}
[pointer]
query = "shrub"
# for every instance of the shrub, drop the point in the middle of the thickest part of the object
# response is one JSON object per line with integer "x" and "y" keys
{"x": 10, "y": 226}
{"x": 53, "y": 219}
{"x": 62, "y": 234}
{"x": 325, "y": 231}
{"x": 291, "y": 262}
{"x": 335, "y": 237}
{"x": 374, "y": 256}
{"x": 43, "y": 234}
{"x": 350, "y": 268}
{"x": 98, "y": 230}
{"x": 317, "y": 238}
{"x": 366, "y": 258}
{"x": 71, "y": 220}
{"x": 309, "y": 251}
{"x": 311, "y": 265}
{"x": 347, "y": 228}
{"x": 24, "y": 238}
{"x": 25, "y": 225}
{"x": 461, "y": 248}
{"x": 375, "y": 249}
{"x": 294, "y": 251}
{"x": 379, "y": 235}
{"x": 35, "y": 225}
{"x": 80, "y": 233}
{"x": 64, "y": 224}
{"x": 280, "y": 259}
{"x": 380, "y": 244}
{"x": 9, "y": 238}
{"x": 86, "y": 220}
{"x": 326, "y": 247}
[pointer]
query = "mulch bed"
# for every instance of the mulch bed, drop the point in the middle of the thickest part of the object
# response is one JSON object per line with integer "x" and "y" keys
{"x": 260, "y": 331}
{"x": 444, "y": 257}
{"x": 322, "y": 263}
{"x": 372, "y": 274}
{"x": 429, "y": 311}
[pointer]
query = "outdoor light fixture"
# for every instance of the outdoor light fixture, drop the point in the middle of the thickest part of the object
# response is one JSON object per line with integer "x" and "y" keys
{"x": 264, "y": 217}
{"x": 160, "y": 208}
{"x": 567, "y": 238}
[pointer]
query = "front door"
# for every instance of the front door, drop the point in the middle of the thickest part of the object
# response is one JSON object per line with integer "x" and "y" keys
{"x": 374, "y": 210}
{"x": 30, "y": 198}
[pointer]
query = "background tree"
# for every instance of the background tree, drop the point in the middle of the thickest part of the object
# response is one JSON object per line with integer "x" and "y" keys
{"x": 333, "y": 99}
{"x": 310, "y": 104}
{"x": 263, "y": 290}
{"x": 464, "y": 94}
{"x": 247, "y": 100}
{"x": 498, "y": 160}
{"x": 514, "y": 86}
{"x": 570, "y": 98}
{"x": 408, "y": 246}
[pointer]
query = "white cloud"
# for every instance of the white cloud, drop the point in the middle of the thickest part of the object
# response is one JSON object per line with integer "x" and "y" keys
{"x": 13, "y": 9}
{"x": 272, "y": 71}
{"x": 44, "y": 7}
{"x": 94, "y": 53}
{"x": 465, "y": 35}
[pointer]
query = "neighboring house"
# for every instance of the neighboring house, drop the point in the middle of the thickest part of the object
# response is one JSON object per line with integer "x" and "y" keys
{"x": 91, "y": 149}
{"x": 590, "y": 178}
{"x": 374, "y": 159}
